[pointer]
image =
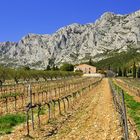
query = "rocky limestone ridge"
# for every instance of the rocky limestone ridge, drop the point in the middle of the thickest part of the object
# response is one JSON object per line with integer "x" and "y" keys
{"x": 75, "y": 43}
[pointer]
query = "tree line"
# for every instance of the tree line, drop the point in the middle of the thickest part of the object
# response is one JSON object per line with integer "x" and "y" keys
{"x": 26, "y": 74}
{"x": 133, "y": 71}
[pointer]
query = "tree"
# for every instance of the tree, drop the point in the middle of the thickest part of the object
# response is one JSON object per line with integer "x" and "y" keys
{"x": 15, "y": 74}
{"x": 120, "y": 72}
{"x": 44, "y": 75}
{"x": 67, "y": 67}
{"x": 54, "y": 68}
{"x": 109, "y": 67}
{"x": 48, "y": 67}
{"x": 134, "y": 70}
{"x": 26, "y": 68}
{"x": 90, "y": 62}
{"x": 130, "y": 70}
{"x": 25, "y": 75}
{"x": 138, "y": 74}
{"x": 4, "y": 74}
{"x": 35, "y": 74}
{"x": 124, "y": 72}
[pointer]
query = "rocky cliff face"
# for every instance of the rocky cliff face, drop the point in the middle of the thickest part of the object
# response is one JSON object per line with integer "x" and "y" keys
{"x": 75, "y": 43}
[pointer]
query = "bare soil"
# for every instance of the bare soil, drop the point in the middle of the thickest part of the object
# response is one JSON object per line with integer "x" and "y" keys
{"x": 95, "y": 120}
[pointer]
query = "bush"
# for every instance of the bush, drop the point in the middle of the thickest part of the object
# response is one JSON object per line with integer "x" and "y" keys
{"x": 67, "y": 67}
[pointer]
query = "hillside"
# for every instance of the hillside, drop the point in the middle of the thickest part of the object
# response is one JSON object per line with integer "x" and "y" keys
{"x": 75, "y": 43}
{"x": 123, "y": 59}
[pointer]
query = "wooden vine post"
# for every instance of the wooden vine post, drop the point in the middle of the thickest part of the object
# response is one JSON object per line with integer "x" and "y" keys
{"x": 54, "y": 106}
{"x": 27, "y": 119}
{"x": 38, "y": 114}
{"x": 59, "y": 106}
{"x": 30, "y": 98}
{"x": 15, "y": 98}
{"x": 49, "y": 112}
{"x": 64, "y": 104}
{"x": 67, "y": 98}
{"x": 124, "y": 117}
{"x": 6, "y": 101}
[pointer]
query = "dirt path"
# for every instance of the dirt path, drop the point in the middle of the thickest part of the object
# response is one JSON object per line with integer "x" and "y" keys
{"x": 96, "y": 120}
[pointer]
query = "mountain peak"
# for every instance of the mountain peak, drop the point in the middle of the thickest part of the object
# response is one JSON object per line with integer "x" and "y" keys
{"x": 75, "y": 43}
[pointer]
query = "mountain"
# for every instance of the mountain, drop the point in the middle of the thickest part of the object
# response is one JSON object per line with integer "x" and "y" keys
{"x": 75, "y": 43}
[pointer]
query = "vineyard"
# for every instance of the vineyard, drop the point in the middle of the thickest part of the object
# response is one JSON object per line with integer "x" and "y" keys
{"x": 66, "y": 106}
{"x": 131, "y": 85}
{"x": 14, "y": 97}
{"x": 52, "y": 96}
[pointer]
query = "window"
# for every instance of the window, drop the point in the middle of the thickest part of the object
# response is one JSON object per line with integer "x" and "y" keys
{"x": 89, "y": 70}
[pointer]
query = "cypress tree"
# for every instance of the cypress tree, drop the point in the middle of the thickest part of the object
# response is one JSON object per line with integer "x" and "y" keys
{"x": 120, "y": 72}
{"x": 48, "y": 67}
{"x": 90, "y": 62}
{"x": 138, "y": 72}
{"x": 134, "y": 70}
{"x": 124, "y": 72}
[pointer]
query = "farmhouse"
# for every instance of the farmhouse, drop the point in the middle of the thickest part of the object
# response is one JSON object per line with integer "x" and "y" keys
{"x": 86, "y": 69}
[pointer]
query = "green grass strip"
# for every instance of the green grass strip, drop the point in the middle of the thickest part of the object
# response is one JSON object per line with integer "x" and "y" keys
{"x": 133, "y": 109}
{"x": 6, "y": 95}
{"x": 8, "y": 121}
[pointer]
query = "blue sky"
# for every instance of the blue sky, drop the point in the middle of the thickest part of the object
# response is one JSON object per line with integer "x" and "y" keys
{"x": 20, "y": 17}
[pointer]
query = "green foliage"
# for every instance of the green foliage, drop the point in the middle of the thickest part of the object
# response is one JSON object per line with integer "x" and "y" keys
{"x": 10, "y": 95}
{"x": 116, "y": 60}
{"x": 15, "y": 74}
{"x": 48, "y": 67}
{"x": 35, "y": 74}
{"x": 67, "y": 67}
{"x": 22, "y": 74}
{"x": 80, "y": 71}
{"x": 54, "y": 68}
{"x": 26, "y": 68}
{"x": 4, "y": 74}
{"x": 90, "y": 62}
{"x": 8, "y": 121}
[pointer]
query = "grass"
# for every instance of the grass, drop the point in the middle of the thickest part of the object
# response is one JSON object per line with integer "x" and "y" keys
{"x": 42, "y": 111}
{"x": 133, "y": 109}
{"x": 8, "y": 121}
